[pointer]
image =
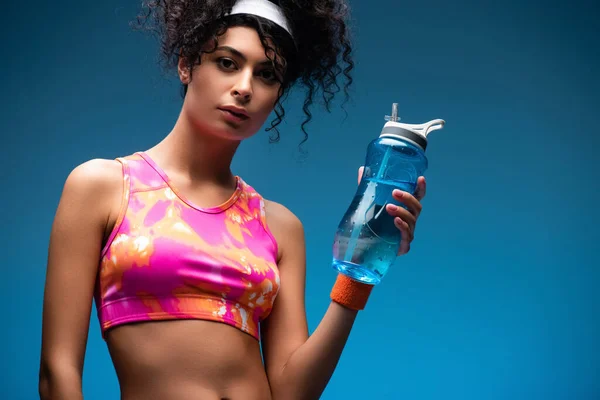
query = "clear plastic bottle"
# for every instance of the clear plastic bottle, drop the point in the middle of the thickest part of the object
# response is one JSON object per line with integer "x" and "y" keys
{"x": 367, "y": 241}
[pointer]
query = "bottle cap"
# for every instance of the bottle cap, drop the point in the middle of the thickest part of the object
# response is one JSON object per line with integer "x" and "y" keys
{"x": 416, "y": 134}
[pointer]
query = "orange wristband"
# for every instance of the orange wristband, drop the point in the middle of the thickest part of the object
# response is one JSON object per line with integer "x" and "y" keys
{"x": 350, "y": 293}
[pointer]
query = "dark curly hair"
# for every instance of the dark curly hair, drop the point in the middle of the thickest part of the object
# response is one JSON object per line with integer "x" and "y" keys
{"x": 318, "y": 54}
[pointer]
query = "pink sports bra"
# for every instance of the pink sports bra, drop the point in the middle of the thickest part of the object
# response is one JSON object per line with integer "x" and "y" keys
{"x": 168, "y": 259}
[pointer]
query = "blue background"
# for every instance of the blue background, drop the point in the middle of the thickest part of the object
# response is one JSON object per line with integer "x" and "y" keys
{"x": 498, "y": 297}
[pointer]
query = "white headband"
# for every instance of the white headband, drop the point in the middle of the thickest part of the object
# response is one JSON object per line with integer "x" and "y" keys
{"x": 262, "y": 8}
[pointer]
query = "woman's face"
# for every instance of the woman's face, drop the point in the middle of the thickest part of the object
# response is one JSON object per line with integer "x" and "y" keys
{"x": 234, "y": 89}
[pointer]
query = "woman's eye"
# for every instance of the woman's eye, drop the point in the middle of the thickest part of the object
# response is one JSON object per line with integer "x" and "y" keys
{"x": 225, "y": 63}
{"x": 269, "y": 75}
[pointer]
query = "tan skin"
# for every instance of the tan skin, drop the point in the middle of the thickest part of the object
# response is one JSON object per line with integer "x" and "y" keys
{"x": 194, "y": 359}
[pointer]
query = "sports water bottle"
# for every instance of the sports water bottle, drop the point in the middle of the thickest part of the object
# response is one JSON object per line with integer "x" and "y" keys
{"x": 367, "y": 241}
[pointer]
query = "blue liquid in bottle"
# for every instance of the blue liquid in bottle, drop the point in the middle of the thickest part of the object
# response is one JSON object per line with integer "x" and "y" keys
{"x": 367, "y": 241}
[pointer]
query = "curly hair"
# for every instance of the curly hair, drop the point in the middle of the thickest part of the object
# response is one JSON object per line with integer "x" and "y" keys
{"x": 318, "y": 54}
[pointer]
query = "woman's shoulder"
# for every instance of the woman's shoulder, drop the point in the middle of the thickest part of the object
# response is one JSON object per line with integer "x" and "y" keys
{"x": 281, "y": 215}
{"x": 276, "y": 213}
{"x": 285, "y": 226}
{"x": 98, "y": 183}
{"x": 95, "y": 175}
{"x": 91, "y": 193}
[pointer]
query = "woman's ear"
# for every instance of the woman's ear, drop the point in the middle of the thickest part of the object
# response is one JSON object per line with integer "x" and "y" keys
{"x": 183, "y": 71}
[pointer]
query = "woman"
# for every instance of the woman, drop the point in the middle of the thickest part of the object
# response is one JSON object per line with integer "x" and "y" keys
{"x": 190, "y": 268}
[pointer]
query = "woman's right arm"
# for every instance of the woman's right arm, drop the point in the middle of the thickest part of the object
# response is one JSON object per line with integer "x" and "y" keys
{"x": 82, "y": 220}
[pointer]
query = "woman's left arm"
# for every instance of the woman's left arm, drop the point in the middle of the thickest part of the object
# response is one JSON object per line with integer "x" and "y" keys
{"x": 299, "y": 366}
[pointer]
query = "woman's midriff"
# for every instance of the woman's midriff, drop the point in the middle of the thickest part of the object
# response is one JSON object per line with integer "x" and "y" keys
{"x": 187, "y": 359}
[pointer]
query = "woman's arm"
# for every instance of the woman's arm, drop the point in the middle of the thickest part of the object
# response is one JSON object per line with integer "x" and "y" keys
{"x": 299, "y": 366}
{"x": 78, "y": 230}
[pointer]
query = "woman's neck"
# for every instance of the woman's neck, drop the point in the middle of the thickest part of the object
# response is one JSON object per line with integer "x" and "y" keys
{"x": 196, "y": 155}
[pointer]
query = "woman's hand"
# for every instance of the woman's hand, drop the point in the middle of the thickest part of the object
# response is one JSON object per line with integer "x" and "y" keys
{"x": 405, "y": 219}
